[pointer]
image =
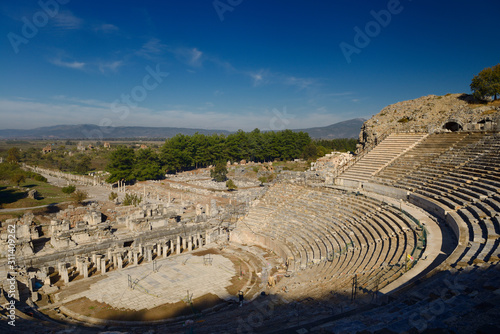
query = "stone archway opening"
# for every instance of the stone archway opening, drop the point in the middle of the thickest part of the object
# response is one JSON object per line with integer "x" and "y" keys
{"x": 453, "y": 126}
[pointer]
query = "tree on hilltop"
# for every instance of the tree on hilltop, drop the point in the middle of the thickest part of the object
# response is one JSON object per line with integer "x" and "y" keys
{"x": 486, "y": 83}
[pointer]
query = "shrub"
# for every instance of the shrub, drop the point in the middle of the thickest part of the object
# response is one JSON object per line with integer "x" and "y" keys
{"x": 79, "y": 196}
{"x": 230, "y": 185}
{"x": 131, "y": 199}
{"x": 35, "y": 176}
{"x": 18, "y": 178}
{"x": 404, "y": 120}
{"x": 69, "y": 189}
{"x": 113, "y": 196}
{"x": 40, "y": 178}
{"x": 262, "y": 180}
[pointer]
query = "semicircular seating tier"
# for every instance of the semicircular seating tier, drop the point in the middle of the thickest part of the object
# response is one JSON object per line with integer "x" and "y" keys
{"x": 329, "y": 235}
{"x": 457, "y": 176}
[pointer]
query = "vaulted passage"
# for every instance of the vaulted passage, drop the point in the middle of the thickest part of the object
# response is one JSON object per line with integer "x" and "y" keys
{"x": 453, "y": 126}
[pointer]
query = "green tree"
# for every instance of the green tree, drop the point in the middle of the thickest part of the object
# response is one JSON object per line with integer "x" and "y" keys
{"x": 18, "y": 178}
{"x": 486, "y": 83}
{"x": 13, "y": 155}
{"x": 231, "y": 185}
{"x": 219, "y": 172}
{"x": 176, "y": 153}
{"x": 310, "y": 152}
{"x": 147, "y": 165}
{"x": 83, "y": 164}
{"x": 121, "y": 165}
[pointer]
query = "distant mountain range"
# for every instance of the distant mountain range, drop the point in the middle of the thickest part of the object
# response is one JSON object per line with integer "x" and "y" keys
{"x": 95, "y": 132}
{"x": 346, "y": 129}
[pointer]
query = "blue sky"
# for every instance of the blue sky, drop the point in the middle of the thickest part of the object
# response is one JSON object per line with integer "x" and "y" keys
{"x": 234, "y": 64}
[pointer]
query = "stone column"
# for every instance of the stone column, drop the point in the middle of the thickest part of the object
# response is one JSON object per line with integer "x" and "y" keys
{"x": 207, "y": 237}
{"x": 103, "y": 265}
{"x": 120, "y": 261}
{"x": 190, "y": 243}
{"x": 184, "y": 243}
{"x": 165, "y": 249}
{"x": 77, "y": 263}
{"x": 178, "y": 247}
{"x": 63, "y": 271}
{"x": 85, "y": 267}
{"x": 98, "y": 262}
{"x": 149, "y": 254}
{"x": 79, "y": 266}
{"x": 136, "y": 258}
{"x": 157, "y": 249}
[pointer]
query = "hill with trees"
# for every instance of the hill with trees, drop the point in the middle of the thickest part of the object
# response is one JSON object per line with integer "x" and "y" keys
{"x": 183, "y": 152}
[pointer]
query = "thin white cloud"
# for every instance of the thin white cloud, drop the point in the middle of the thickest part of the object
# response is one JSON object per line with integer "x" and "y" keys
{"x": 264, "y": 77}
{"x": 195, "y": 58}
{"x": 152, "y": 48}
{"x": 69, "y": 64}
{"x": 110, "y": 66}
{"x": 65, "y": 20}
{"x": 26, "y": 115}
{"x": 88, "y": 102}
{"x": 258, "y": 77}
{"x": 190, "y": 56}
{"x": 106, "y": 28}
{"x": 301, "y": 83}
{"x": 21, "y": 114}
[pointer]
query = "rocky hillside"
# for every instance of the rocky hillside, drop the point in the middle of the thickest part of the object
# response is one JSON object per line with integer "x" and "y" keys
{"x": 428, "y": 114}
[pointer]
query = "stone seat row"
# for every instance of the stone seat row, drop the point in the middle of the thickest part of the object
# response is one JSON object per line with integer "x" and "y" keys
{"x": 314, "y": 234}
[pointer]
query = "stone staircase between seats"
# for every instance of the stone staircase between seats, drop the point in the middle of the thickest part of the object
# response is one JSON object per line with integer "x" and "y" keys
{"x": 383, "y": 154}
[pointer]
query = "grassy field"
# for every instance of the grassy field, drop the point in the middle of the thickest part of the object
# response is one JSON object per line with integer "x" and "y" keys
{"x": 293, "y": 166}
{"x": 12, "y": 197}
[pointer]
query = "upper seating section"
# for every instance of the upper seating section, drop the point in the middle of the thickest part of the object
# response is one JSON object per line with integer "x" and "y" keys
{"x": 380, "y": 156}
{"x": 460, "y": 172}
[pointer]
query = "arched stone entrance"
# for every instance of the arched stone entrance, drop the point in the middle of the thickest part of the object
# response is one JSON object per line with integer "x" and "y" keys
{"x": 453, "y": 126}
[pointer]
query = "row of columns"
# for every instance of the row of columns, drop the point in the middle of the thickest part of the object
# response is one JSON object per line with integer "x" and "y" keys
{"x": 117, "y": 257}
{"x": 82, "y": 179}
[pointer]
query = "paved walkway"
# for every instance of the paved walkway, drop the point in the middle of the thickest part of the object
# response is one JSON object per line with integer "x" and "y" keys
{"x": 169, "y": 284}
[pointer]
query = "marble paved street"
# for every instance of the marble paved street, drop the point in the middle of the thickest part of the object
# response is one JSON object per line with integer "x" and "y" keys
{"x": 170, "y": 284}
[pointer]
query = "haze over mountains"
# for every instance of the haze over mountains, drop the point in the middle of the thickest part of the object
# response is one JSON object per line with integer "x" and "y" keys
{"x": 345, "y": 129}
